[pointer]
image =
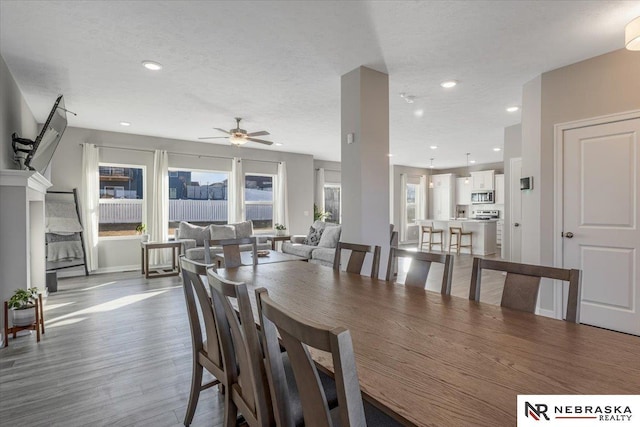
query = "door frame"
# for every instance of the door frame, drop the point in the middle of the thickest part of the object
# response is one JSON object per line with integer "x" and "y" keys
{"x": 558, "y": 207}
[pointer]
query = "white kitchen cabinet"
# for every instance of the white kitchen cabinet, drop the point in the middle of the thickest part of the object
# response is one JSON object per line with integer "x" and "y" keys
{"x": 482, "y": 180}
{"x": 443, "y": 196}
{"x": 463, "y": 191}
{"x": 499, "y": 181}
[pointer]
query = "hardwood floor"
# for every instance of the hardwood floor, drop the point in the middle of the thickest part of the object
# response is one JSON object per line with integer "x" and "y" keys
{"x": 117, "y": 352}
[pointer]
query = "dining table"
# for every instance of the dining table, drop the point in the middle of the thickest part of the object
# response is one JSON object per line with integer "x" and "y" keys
{"x": 428, "y": 359}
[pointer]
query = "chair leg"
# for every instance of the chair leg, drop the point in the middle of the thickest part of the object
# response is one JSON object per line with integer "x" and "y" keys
{"x": 194, "y": 394}
{"x": 470, "y": 244}
{"x": 230, "y": 411}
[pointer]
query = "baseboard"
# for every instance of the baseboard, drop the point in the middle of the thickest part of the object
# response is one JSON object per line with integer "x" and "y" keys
{"x": 546, "y": 313}
{"x": 117, "y": 269}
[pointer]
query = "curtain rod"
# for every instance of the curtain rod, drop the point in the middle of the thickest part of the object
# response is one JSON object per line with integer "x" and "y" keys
{"x": 143, "y": 150}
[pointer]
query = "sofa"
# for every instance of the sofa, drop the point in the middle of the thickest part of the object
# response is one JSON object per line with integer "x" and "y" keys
{"x": 318, "y": 246}
{"x": 193, "y": 236}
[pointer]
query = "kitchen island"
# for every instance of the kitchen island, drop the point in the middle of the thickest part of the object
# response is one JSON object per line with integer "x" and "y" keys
{"x": 484, "y": 233}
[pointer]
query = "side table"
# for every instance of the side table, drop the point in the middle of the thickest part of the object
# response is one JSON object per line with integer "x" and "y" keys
{"x": 164, "y": 272}
{"x": 275, "y": 239}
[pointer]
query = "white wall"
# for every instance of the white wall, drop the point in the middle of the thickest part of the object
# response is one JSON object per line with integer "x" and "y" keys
{"x": 15, "y": 116}
{"x": 66, "y": 173}
{"x": 602, "y": 85}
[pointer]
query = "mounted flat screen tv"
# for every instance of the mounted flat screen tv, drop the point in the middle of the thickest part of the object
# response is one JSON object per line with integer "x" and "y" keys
{"x": 46, "y": 143}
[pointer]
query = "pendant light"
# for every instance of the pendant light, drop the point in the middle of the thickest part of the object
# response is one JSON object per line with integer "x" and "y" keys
{"x": 430, "y": 179}
{"x": 466, "y": 179}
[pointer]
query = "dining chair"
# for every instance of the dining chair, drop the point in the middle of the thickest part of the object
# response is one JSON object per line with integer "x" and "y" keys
{"x": 522, "y": 283}
{"x": 231, "y": 250}
{"x": 420, "y": 266}
{"x": 356, "y": 258}
{"x": 249, "y": 392}
{"x": 248, "y": 389}
{"x": 297, "y": 335}
{"x": 207, "y": 354}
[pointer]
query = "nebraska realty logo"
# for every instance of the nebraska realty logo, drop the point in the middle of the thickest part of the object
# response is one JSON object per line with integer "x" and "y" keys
{"x": 578, "y": 410}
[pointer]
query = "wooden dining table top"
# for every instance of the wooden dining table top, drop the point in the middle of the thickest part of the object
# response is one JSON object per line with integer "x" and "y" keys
{"x": 433, "y": 360}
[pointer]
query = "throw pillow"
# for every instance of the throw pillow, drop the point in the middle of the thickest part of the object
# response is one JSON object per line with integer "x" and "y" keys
{"x": 313, "y": 238}
{"x": 222, "y": 232}
{"x": 190, "y": 231}
{"x": 243, "y": 229}
{"x": 330, "y": 236}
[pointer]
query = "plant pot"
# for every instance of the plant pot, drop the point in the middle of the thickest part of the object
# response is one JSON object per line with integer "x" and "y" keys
{"x": 281, "y": 232}
{"x": 23, "y": 316}
{"x": 144, "y": 237}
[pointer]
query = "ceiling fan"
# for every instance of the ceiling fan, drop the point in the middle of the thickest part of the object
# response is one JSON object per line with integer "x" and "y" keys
{"x": 239, "y": 136}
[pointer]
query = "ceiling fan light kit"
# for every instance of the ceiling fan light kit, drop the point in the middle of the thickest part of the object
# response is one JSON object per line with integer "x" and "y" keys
{"x": 240, "y": 136}
{"x": 632, "y": 34}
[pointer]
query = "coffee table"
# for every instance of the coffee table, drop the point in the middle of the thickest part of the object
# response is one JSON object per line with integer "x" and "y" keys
{"x": 163, "y": 272}
{"x": 273, "y": 257}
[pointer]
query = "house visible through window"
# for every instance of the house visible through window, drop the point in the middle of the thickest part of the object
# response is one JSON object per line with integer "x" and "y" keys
{"x": 258, "y": 199}
{"x": 332, "y": 202}
{"x": 199, "y": 197}
{"x": 121, "y": 204}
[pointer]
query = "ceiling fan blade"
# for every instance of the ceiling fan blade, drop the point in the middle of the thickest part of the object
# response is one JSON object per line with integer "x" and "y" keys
{"x": 259, "y": 133}
{"x": 222, "y": 130}
{"x": 215, "y": 137}
{"x": 260, "y": 141}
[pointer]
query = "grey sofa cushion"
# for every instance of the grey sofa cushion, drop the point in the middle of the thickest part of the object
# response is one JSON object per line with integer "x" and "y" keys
{"x": 298, "y": 249}
{"x": 243, "y": 229}
{"x": 325, "y": 255}
{"x": 330, "y": 236}
{"x": 197, "y": 254}
{"x": 195, "y": 232}
{"x": 222, "y": 232}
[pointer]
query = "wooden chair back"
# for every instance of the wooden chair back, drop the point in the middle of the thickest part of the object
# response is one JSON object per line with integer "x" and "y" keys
{"x": 523, "y": 282}
{"x": 207, "y": 353}
{"x": 297, "y": 335}
{"x": 231, "y": 250}
{"x": 248, "y": 389}
{"x": 356, "y": 259}
{"x": 420, "y": 266}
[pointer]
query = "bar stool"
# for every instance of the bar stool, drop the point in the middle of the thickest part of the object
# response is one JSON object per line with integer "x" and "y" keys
{"x": 459, "y": 233}
{"x": 428, "y": 229}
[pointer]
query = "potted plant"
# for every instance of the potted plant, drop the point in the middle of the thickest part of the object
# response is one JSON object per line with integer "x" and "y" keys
{"x": 140, "y": 229}
{"x": 320, "y": 215}
{"x": 280, "y": 229}
{"x": 23, "y": 306}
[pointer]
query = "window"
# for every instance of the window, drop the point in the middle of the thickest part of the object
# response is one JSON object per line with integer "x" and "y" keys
{"x": 121, "y": 200}
{"x": 258, "y": 199}
{"x": 332, "y": 202}
{"x": 199, "y": 197}
{"x": 411, "y": 205}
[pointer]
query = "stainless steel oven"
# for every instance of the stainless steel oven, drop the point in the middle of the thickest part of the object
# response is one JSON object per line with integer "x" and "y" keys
{"x": 482, "y": 197}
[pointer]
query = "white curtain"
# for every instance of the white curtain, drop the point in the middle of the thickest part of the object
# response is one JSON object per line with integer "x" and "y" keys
{"x": 403, "y": 207}
{"x": 236, "y": 192}
{"x": 319, "y": 199}
{"x": 421, "y": 211}
{"x": 159, "y": 219}
{"x": 281, "y": 206}
{"x": 89, "y": 198}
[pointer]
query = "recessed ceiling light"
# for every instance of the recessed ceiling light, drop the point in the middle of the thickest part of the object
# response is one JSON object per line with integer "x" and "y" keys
{"x": 448, "y": 84}
{"x": 389, "y": 155}
{"x": 419, "y": 113}
{"x": 472, "y": 161}
{"x": 125, "y": 124}
{"x": 152, "y": 65}
{"x": 513, "y": 109}
{"x": 433, "y": 147}
{"x": 279, "y": 144}
{"x": 497, "y": 149}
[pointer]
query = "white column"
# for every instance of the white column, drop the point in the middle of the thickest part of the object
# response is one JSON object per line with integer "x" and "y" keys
{"x": 365, "y": 161}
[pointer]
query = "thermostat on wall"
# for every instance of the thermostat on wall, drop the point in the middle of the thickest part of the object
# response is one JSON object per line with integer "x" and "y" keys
{"x": 526, "y": 183}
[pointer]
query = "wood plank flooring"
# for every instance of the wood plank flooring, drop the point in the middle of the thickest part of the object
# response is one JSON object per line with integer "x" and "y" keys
{"x": 117, "y": 352}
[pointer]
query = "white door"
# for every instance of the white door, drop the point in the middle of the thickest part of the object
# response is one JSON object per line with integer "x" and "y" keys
{"x": 601, "y": 223}
{"x": 515, "y": 196}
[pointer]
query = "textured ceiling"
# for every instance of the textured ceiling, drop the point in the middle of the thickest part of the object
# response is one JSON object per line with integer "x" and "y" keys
{"x": 278, "y": 65}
